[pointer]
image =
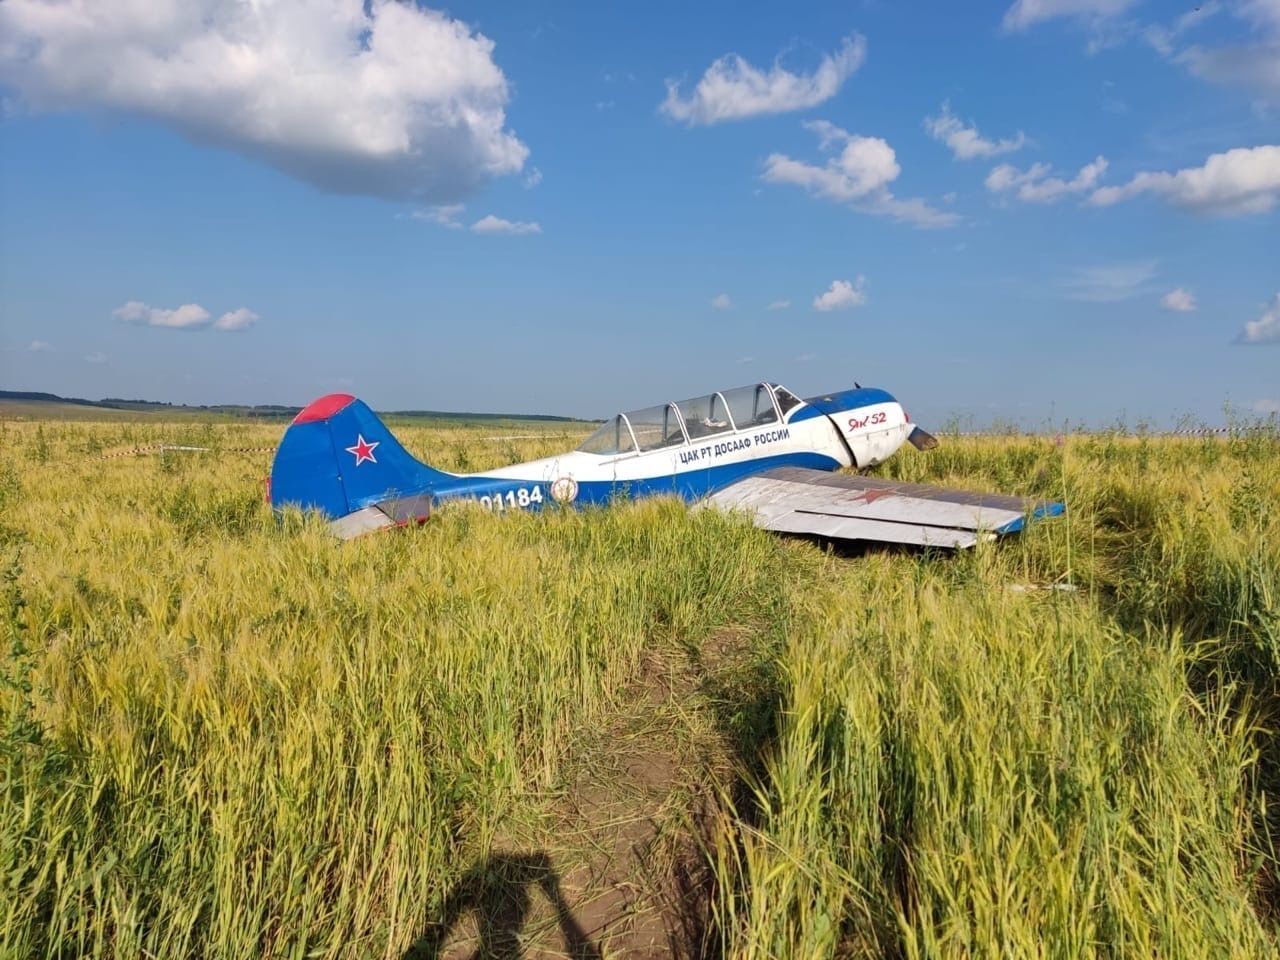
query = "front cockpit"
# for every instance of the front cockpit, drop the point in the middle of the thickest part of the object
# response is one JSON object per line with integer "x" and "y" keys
{"x": 673, "y": 424}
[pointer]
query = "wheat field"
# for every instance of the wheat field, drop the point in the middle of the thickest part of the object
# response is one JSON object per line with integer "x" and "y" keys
{"x": 226, "y": 735}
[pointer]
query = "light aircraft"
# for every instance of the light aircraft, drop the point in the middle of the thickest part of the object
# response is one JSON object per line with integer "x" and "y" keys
{"x": 758, "y": 448}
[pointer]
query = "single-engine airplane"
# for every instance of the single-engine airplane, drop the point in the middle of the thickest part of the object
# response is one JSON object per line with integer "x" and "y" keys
{"x": 758, "y": 448}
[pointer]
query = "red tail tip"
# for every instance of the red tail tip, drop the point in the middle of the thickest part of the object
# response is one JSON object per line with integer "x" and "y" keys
{"x": 324, "y": 408}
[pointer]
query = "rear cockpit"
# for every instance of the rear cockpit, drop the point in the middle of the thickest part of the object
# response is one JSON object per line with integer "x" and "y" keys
{"x": 674, "y": 424}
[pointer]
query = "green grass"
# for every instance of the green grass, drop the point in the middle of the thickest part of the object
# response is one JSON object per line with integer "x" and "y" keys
{"x": 963, "y": 768}
{"x": 225, "y": 736}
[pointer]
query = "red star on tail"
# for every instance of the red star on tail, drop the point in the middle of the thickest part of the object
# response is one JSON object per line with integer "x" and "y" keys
{"x": 363, "y": 450}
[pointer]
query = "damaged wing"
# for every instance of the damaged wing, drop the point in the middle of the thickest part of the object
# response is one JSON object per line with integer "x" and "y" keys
{"x": 848, "y": 507}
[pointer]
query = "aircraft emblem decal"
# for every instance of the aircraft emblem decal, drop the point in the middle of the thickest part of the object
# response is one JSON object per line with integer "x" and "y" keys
{"x": 363, "y": 449}
{"x": 564, "y": 490}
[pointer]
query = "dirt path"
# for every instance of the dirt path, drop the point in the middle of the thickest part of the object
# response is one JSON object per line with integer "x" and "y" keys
{"x": 616, "y": 866}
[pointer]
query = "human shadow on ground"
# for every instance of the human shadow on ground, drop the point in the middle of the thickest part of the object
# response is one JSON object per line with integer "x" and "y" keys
{"x": 500, "y": 891}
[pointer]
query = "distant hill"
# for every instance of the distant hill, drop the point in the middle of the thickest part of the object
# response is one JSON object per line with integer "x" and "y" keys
{"x": 38, "y": 402}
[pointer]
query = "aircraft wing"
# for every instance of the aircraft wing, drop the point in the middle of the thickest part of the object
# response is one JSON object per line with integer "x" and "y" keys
{"x": 849, "y": 507}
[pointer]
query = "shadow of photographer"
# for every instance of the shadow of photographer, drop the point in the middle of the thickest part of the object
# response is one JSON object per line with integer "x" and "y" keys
{"x": 499, "y": 890}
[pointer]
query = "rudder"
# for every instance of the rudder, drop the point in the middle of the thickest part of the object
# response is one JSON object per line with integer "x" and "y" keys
{"x": 337, "y": 457}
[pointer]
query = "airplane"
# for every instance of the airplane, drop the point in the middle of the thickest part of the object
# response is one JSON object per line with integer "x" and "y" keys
{"x": 759, "y": 449}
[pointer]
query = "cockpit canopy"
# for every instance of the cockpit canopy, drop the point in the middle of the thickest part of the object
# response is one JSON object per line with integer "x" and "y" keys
{"x": 671, "y": 424}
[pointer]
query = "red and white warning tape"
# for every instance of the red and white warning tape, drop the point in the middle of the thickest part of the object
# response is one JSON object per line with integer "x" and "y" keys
{"x": 181, "y": 448}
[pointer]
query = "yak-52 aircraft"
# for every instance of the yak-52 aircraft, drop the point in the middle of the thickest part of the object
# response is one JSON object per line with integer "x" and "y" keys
{"x": 758, "y": 448}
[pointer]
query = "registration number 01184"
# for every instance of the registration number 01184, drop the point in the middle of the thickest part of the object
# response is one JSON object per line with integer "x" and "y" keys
{"x": 518, "y": 498}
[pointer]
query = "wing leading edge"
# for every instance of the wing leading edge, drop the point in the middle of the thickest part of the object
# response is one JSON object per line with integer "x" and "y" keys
{"x": 849, "y": 507}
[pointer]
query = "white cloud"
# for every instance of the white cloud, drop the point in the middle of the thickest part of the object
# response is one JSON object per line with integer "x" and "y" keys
{"x": 95, "y": 358}
{"x": 1025, "y": 13}
{"x": 965, "y": 142}
{"x": 1266, "y": 329}
{"x": 1162, "y": 38}
{"x": 189, "y": 316}
{"x": 721, "y": 301}
{"x": 241, "y": 318}
{"x": 842, "y": 295}
{"x": 732, "y": 88}
{"x": 1240, "y": 181}
{"x": 1110, "y": 282}
{"x": 1034, "y": 185}
{"x": 779, "y": 305}
{"x": 492, "y": 224}
{"x": 1263, "y": 14}
{"x": 1179, "y": 300}
{"x": 39, "y": 346}
{"x": 445, "y": 214}
{"x": 1254, "y": 65}
{"x": 859, "y": 175}
{"x": 532, "y": 178}
{"x": 377, "y": 97}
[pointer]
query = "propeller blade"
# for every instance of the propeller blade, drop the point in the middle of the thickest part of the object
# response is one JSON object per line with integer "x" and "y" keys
{"x": 922, "y": 440}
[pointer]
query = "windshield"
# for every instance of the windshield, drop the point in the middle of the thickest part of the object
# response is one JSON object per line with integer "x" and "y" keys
{"x": 786, "y": 399}
{"x": 656, "y": 427}
{"x": 750, "y": 406}
{"x": 705, "y": 416}
{"x": 611, "y": 437}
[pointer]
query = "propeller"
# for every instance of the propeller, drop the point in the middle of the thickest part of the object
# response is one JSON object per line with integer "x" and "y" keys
{"x": 922, "y": 440}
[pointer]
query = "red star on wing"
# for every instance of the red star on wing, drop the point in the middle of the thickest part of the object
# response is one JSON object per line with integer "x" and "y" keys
{"x": 363, "y": 450}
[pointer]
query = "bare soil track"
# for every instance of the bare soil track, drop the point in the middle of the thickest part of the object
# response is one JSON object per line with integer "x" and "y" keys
{"x": 617, "y": 867}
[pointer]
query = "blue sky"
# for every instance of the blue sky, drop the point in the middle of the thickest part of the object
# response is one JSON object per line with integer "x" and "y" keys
{"x": 1064, "y": 209}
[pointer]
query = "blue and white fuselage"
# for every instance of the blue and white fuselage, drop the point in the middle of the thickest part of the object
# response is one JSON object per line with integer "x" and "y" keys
{"x": 338, "y": 458}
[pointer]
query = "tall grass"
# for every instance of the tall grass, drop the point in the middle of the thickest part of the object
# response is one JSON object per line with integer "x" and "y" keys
{"x": 966, "y": 766}
{"x": 225, "y": 736}
{"x": 233, "y": 738}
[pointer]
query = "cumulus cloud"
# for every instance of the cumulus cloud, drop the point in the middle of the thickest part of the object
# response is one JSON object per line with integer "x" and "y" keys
{"x": 355, "y": 96}
{"x": 189, "y": 316}
{"x": 965, "y": 142}
{"x": 733, "y": 89}
{"x": 445, "y": 214}
{"x": 1179, "y": 300}
{"x": 1240, "y": 181}
{"x": 1266, "y": 329}
{"x": 39, "y": 346}
{"x": 1110, "y": 282}
{"x": 492, "y": 224}
{"x": 241, "y": 318}
{"x": 1035, "y": 185}
{"x": 721, "y": 301}
{"x": 842, "y": 295}
{"x": 858, "y": 175}
{"x": 1026, "y": 13}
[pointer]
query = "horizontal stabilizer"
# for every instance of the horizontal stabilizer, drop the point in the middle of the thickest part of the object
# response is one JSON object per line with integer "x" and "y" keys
{"x": 392, "y": 512}
{"x": 850, "y": 507}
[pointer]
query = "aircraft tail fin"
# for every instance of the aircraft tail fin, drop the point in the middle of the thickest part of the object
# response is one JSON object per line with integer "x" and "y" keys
{"x": 338, "y": 457}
